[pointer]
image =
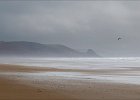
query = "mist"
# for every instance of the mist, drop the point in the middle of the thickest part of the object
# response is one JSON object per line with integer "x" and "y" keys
{"x": 80, "y": 25}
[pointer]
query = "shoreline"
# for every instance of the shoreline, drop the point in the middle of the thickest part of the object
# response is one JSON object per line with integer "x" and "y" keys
{"x": 55, "y": 88}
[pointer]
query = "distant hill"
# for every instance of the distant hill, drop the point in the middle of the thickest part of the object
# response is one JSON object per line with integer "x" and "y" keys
{"x": 24, "y": 48}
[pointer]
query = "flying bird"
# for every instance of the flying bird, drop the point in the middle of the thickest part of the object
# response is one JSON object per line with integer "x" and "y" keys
{"x": 119, "y": 38}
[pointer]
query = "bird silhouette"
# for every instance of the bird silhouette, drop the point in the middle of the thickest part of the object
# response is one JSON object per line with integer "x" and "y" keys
{"x": 119, "y": 38}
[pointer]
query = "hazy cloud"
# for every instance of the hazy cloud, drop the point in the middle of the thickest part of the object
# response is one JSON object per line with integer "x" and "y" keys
{"x": 78, "y": 24}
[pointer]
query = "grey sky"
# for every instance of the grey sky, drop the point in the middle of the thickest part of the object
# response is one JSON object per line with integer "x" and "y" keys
{"x": 78, "y": 24}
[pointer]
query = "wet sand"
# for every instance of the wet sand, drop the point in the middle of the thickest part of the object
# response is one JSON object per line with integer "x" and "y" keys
{"x": 62, "y": 89}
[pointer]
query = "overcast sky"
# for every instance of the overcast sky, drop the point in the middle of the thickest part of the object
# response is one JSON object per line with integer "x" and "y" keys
{"x": 77, "y": 24}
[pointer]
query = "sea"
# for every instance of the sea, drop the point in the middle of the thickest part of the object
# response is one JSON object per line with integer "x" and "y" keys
{"x": 129, "y": 68}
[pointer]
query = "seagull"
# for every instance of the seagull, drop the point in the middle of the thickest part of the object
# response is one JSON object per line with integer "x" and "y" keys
{"x": 119, "y": 38}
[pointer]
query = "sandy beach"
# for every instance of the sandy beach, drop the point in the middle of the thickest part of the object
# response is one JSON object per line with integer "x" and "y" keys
{"x": 13, "y": 87}
{"x": 69, "y": 50}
